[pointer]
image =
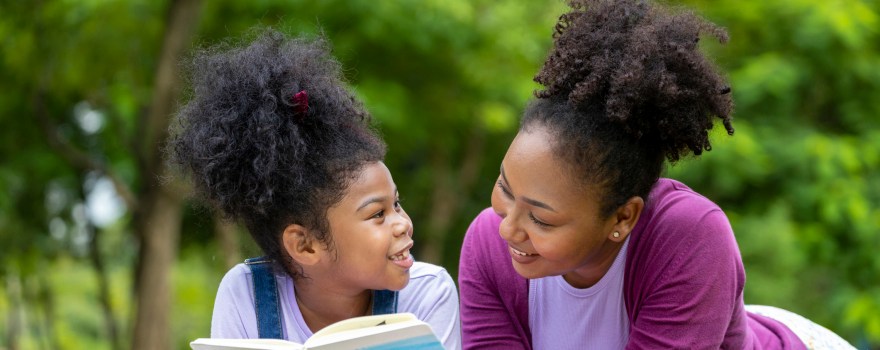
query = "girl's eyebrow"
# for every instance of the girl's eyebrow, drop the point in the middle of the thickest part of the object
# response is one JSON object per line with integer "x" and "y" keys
{"x": 528, "y": 200}
{"x": 372, "y": 200}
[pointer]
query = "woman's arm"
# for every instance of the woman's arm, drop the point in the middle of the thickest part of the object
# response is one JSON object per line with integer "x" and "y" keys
{"x": 494, "y": 298}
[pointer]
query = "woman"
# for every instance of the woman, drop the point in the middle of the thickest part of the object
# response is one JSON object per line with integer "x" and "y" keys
{"x": 585, "y": 246}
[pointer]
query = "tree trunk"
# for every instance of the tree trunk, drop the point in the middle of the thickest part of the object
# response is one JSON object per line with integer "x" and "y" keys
{"x": 97, "y": 262}
{"x": 14, "y": 322}
{"x": 47, "y": 300}
{"x": 444, "y": 204}
{"x": 227, "y": 236}
{"x": 158, "y": 253}
{"x": 159, "y": 218}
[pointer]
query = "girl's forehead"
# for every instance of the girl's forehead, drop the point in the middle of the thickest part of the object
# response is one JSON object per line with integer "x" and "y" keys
{"x": 372, "y": 178}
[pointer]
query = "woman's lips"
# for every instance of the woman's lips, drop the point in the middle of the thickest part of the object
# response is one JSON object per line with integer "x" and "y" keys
{"x": 521, "y": 256}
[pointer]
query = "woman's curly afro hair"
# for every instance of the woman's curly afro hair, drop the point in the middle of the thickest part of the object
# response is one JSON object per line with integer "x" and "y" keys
{"x": 626, "y": 86}
{"x": 254, "y": 154}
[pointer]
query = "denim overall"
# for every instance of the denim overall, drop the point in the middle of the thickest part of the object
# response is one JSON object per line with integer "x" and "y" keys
{"x": 269, "y": 309}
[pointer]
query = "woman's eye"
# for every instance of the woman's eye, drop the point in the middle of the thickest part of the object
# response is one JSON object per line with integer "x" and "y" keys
{"x": 503, "y": 189}
{"x": 538, "y": 222}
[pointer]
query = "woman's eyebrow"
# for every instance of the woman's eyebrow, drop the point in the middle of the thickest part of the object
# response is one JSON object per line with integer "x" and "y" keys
{"x": 528, "y": 200}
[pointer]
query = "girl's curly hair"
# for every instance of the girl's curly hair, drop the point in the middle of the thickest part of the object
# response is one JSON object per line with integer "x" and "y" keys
{"x": 250, "y": 150}
{"x": 626, "y": 86}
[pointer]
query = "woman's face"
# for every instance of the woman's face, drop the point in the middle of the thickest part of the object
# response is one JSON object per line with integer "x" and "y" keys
{"x": 372, "y": 234}
{"x": 551, "y": 220}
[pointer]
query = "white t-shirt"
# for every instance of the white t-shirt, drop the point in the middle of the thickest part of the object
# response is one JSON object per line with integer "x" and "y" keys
{"x": 430, "y": 295}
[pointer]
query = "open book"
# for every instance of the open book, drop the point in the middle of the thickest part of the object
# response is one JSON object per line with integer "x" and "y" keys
{"x": 377, "y": 332}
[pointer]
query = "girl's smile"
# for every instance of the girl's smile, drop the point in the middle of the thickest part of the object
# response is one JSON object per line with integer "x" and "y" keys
{"x": 403, "y": 258}
{"x": 372, "y": 234}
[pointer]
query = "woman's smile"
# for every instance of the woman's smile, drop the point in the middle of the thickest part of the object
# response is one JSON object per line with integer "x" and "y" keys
{"x": 522, "y": 257}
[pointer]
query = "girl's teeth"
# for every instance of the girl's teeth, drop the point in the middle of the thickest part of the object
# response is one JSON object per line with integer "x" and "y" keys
{"x": 398, "y": 257}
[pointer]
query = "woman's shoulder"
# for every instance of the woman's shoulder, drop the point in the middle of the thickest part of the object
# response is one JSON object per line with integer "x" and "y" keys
{"x": 675, "y": 209}
{"x": 678, "y": 219}
{"x": 670, "y": 194}
{"x": 485, "y": 223}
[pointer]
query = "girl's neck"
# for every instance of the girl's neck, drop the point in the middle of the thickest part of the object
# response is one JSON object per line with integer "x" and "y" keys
{"x": 321, "y": 306}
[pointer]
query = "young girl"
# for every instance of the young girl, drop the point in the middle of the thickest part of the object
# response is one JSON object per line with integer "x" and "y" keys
{"x": 272, "y": 137}
{"x": 585, "y": 247}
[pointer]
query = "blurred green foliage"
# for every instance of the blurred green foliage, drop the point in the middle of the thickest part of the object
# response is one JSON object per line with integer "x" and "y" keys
{"x": 446, "y": 81}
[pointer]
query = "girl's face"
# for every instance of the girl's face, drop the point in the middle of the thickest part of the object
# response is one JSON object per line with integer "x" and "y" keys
{"x": 551, "y": 221}
{"x": 372, "y": 234}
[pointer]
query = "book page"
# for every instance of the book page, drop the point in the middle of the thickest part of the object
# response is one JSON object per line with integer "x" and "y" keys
{"x": 412, "y": 334}
{"x": 243, "y": 344}
{"x": 364, "y": 322}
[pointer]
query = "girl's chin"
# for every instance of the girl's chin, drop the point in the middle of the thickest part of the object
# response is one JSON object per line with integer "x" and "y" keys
{"x": 398, "y": 285}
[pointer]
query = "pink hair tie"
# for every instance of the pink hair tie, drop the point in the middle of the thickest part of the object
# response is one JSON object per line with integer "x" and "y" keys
{"x": 301, "y": 104}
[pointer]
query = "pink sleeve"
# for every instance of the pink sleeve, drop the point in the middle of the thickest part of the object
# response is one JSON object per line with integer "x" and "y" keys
{"x": 688, "y": 293}
{"x": 494, "y": 299}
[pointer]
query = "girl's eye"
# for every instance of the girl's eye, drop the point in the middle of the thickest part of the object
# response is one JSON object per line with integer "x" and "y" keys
{"x": 378, "y": 215}
{"x": 503, "y": 189}
{"x": 538, "y": 222}
{"x": 397, "y": 204}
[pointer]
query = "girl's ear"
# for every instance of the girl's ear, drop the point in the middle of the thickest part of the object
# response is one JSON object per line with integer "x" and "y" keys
{"x": 625, "y": 218}
{"x": 299, "y": 245}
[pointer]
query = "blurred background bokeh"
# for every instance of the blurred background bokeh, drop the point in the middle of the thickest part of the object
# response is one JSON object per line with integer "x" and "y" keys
{"x": 101, "y": 246}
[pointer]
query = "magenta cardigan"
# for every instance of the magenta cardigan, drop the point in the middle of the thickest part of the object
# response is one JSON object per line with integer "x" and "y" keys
{"x": 682, "y": 287}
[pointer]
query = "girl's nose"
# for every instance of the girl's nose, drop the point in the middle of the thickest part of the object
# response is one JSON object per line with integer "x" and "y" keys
{"x": 401, "y": 225}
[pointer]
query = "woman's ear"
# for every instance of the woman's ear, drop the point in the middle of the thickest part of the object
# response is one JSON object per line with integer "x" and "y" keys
{"x": 625, "y": 218}
{"x": 300, "y": 245}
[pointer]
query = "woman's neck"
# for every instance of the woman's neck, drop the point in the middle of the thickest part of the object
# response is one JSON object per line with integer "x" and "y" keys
{"x": 322, "y": 306}
{"x": 588, "y": 275}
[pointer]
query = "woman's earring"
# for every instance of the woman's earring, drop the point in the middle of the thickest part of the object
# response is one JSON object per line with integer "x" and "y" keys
{"x": 616, "y": 234}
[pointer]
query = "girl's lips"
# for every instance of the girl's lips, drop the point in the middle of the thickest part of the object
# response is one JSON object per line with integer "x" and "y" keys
{"x": 405, "y": 249}
{"x": 403, "y": 258}
{"x": 406, "y": 262}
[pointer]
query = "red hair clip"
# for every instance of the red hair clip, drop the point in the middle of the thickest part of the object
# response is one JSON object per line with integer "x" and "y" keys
{"x": 301, "y": 104}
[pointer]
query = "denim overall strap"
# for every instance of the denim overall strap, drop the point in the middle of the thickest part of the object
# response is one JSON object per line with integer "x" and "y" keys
{"x": 266, "y": 303}
{"x": 384, "y": 302}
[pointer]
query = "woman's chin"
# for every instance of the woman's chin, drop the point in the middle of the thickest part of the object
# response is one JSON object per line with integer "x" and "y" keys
{"x": 529, "y": 272}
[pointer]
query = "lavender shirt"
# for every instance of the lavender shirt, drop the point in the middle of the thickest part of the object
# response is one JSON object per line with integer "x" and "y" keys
{"x": 430, "y": 295}
{"x": 567, "y": 315}
{"x": 682, "y": 284}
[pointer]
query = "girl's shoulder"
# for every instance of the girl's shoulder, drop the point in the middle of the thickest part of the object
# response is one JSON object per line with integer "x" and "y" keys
{"x": 422, "y": 273}
{"x": 428, "y": 283}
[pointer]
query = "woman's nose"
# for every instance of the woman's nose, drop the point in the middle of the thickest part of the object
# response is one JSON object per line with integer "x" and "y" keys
{"x": 509, "y": 230}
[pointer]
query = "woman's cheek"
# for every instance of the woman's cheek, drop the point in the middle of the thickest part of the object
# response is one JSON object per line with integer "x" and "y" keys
{"x": 498, "y": 202}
